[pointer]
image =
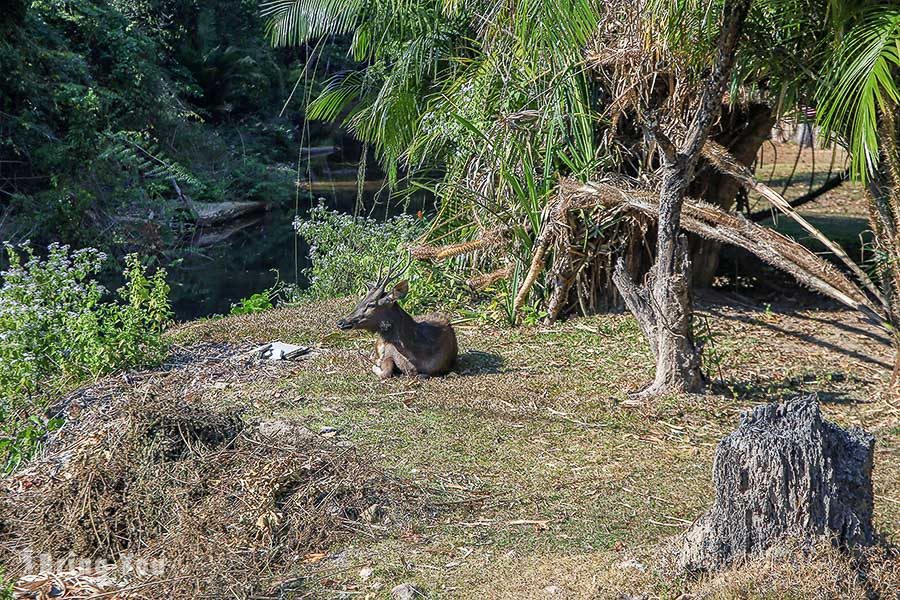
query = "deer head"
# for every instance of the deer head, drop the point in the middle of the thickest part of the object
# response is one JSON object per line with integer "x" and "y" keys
{"x": 376, "y": 311}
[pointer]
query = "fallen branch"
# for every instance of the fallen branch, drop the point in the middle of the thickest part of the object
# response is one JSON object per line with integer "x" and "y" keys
{"x": 481, "y": 282}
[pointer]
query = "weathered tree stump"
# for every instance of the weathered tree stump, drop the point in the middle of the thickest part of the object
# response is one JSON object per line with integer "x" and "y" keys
{"x": 784, "y": 473}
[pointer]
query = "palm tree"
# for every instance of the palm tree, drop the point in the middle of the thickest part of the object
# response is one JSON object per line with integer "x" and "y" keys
{"x": 507, "y": 97}
{"x": 496, "y": 95}
{"x": 859, "y": 103}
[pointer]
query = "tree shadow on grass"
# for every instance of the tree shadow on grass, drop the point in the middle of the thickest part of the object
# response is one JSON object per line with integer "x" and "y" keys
{"x": 475, "y": 362}
{"x": 805, "y": 337}
{"x": 788, "y": 389}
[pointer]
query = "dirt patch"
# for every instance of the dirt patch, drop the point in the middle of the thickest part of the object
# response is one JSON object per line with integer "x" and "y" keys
{"x": 152, "y": 472}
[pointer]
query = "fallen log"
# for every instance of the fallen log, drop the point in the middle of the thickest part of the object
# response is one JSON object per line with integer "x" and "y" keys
{"x": 216, "y": 235}
{"x": 215, "y": 213}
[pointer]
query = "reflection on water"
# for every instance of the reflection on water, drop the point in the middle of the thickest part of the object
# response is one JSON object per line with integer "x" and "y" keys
{"x": 221, "y": 265}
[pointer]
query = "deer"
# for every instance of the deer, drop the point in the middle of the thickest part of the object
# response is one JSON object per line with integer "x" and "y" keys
{"x": 418, "y": 347}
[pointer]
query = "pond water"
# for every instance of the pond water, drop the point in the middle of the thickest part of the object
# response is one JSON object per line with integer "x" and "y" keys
{"x": 222, "y": 265}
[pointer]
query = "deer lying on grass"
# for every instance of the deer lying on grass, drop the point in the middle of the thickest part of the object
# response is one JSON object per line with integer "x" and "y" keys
{"x": 424, "y": 346}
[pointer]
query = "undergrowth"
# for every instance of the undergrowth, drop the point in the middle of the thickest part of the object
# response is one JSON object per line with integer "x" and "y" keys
{"x": 58, "y": 328}
{"x": 348, "y": 252}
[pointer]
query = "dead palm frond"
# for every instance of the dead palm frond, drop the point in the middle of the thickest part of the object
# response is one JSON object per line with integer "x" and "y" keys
{"x": 481, "y": 282}
{"x": 712, "y": 223}
{"x": 722, "y": 160}
{"x": 431, "y": 252}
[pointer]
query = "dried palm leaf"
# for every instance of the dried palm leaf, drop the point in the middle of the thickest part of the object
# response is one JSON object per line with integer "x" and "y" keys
{"x": 486, "y": 280}
{"x": 713, "y": 223}
{"x": 722, "y": 160}
{"x": 429, "y": 252}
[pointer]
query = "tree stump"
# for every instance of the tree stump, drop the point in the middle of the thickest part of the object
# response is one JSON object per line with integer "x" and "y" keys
{"x": 785, "y": 472}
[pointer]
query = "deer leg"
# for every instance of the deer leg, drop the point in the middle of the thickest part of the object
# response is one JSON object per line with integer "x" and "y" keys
{"x": 403, "y": 364}
{"x": 384, "y": 369}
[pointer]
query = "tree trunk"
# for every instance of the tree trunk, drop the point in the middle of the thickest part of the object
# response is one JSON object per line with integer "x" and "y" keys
{"x": 884, "y": 217}
{"x": 664, "y": 308}
{"x": 784, "y": 473}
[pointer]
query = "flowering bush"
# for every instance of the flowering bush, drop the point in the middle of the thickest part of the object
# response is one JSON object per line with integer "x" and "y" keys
{"x": 347, "y": 252}
{"x": 56, "y": 330}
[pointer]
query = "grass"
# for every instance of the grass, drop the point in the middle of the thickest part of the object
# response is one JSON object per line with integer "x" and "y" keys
{"x": 534, "y": 475}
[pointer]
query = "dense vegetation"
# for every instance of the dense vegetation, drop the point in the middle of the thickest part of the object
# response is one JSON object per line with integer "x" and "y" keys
{"x": 58, "y": 328}
{"x": 104, "y": 103}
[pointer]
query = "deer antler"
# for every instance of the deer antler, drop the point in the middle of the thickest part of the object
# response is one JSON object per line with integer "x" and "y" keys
{"x": 392, "y": 273}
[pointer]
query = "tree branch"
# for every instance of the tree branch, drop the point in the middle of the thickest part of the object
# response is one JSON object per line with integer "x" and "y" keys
{"x": 735, "y": 13}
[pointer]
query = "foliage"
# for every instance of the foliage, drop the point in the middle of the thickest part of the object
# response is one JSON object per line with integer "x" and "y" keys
{"x": 104, "y": 102}
{"x": 72, "y": 71}
{"x": 6, "y": 586}
{"x": 252, "y": 304}
{"x": 57, "y": 329}
{"x": 348, "y": 252}
{"x": 496, "y": 96}
{"x": 855, "y": 44}
{"x": 508, "y": 98}
{"x": 863, "y": 81}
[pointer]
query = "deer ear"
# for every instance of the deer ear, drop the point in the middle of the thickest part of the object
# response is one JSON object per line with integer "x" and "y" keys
{"x": 400, "y": 290}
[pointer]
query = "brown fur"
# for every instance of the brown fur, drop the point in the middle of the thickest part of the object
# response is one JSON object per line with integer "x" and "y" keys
{"x": 424, "y": 346}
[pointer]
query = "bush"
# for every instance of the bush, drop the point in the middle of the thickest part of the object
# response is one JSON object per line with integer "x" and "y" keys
{"x": 57, "y": 330}
{"x": 255, "y": 303}
{"x": 347, "y": 252}
{"x": 6, "y": 586}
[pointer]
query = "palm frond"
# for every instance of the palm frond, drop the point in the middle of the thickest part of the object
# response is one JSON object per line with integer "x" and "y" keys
{"x": 292, "y": 22}
{"x": 864, "y": 82}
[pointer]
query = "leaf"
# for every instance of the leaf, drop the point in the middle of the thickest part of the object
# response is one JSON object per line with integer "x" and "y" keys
{"x": 314, "y": 557}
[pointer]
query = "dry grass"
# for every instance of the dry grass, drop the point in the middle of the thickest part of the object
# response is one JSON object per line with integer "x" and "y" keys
{"x": 526, "y": 471}
{"x": 150, "y": 470}
{"x": 782, "y": 574}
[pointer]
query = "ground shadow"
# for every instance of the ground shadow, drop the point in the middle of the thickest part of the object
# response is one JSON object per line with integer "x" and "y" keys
{"x": 882, "y": 339}
{"x": 801, "y": 336}
{"x": 475, "y": 362}
{"x": 787, "y": 389}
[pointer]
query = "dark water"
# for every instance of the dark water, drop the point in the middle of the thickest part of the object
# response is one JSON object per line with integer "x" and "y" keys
{"x": 208, "y": 278}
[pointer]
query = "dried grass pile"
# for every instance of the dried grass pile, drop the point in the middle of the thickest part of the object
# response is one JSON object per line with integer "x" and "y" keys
{"x": 155, "y": 472}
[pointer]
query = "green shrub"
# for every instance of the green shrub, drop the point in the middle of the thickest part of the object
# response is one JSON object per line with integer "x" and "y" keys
{"x": 252, "y": 304}
{"x": 347, "y": 252}
{"x": 6, "y": 586}
{"x": 56, "y": 330}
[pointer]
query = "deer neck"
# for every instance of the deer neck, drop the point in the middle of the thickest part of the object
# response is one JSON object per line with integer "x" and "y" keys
{"x": 398, "y": 326}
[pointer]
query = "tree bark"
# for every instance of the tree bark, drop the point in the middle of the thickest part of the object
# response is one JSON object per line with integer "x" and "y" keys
{"x": 664, "y": 308}
{"x": 784, "y": 474}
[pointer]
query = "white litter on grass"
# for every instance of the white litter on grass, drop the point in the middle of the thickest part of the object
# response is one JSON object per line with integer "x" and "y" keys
{"x": 275, "y": 351}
